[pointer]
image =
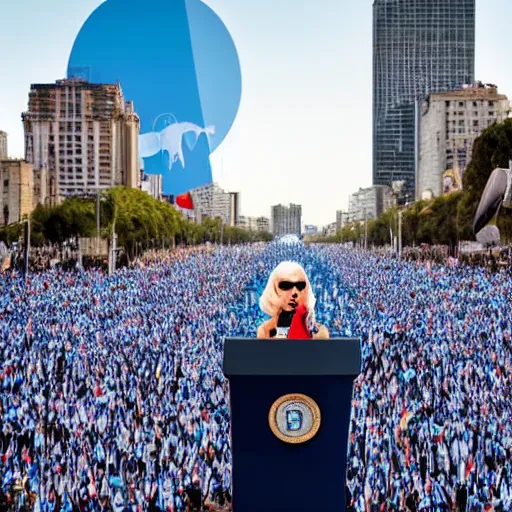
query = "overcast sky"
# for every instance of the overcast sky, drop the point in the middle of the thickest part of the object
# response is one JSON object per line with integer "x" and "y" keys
{"x": 303, "y": 132}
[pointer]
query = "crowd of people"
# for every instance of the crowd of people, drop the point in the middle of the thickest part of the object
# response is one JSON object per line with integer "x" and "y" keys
{"x": 113, "y": 396}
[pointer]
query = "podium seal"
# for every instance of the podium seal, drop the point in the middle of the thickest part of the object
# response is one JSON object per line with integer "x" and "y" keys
{"x": 294, "y": 418}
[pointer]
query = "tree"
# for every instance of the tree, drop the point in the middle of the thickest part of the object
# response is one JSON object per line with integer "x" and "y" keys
{"x": 493, "y": 148}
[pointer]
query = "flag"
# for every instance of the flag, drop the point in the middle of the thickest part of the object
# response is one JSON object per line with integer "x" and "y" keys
{"x": 185, "y": 201}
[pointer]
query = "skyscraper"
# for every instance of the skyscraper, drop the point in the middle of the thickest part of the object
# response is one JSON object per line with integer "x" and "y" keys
{"x": 419, "y": 46}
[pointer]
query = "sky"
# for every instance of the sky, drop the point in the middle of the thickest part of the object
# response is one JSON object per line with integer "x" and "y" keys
{"x": 303, "y": 132}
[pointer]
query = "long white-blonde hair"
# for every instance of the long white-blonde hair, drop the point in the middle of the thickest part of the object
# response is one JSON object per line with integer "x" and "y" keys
{"x": 270, "y": 301}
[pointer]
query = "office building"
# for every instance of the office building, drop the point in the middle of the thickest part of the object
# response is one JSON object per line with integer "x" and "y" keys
{"x": 450, "y": 123}
{"x": 16, "y": 191}
{"x": 81, "y": 137}
{"x": 212, "y": 201}
{"x": 419, "y": 47}
{"x": 286, "y": 220}
{"x": 369, "y": 203}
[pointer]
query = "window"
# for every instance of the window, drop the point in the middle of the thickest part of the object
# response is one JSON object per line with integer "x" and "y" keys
{"x": 6, "y": 183}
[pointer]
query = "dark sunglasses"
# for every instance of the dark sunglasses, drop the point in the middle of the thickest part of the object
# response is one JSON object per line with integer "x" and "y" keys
{"x": 288, "y": 285}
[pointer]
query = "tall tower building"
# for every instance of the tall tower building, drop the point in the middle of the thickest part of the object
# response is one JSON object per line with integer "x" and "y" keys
{"x": 234, "y": 214}
{"x": 3, "y": 145}
{"x": 80, "y": 137}
{"x": 419, "y": 47}
{"x": 286, "y": 220}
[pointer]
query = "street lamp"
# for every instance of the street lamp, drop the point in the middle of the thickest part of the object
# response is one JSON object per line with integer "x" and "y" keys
{"x": 400, "y": 213}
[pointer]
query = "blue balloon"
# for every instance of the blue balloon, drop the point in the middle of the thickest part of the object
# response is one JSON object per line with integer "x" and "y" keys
{"x": 177, "y": 62}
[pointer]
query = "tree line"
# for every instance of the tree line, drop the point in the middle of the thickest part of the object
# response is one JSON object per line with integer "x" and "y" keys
{"x": 447, "y": 219}
{"x": 135, "y": 216}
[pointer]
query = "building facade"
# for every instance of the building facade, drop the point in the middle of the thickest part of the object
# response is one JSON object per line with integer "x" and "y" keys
{"x": 152, "y": 185}
{"x": 260, "y": 224}
{"x": 450, "y": 123}
{"x": 341, "y": 219}
{"x": 234, "y": 208}
{"x": 330, "y": 229}
{"x": 286, "y": 220}
{"x": 80, "y": 137}
{"x": 369, "y": 203}
{"x": 16, "y": 191}
{"x": 418, "y": 48}
{"x": 212, "y": 201}
{"x": 3, "y": 146}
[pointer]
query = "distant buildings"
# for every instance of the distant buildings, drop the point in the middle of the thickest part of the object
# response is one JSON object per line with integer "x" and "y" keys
{"x": 80, "y": 137}
{"x": 16, "y": 191}
{"x": 450, "y": 123}
{"x": 152, "y": 185}
{"x": 330, "y": 229}
{"x": 212, "y": 201}
{"x": 234, "y": 208}
{"x": 369, "y": 203}
{"x": 286, "y": 220}
{"x": 341, "y": 219}
{"x": 419, "y": 47}
{"x": 260, "y": 224}
{"x": 310, "y": 229}
{"x": 3, "y": 146}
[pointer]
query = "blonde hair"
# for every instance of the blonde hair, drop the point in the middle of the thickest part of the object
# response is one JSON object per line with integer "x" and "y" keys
{"x": 270, "y": 301}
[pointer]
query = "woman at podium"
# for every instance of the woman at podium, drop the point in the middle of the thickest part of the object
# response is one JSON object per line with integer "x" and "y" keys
{"x": 289, "y": 301}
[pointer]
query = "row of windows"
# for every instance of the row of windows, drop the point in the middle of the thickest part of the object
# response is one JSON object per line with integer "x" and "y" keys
{"x": 463, "y": 104}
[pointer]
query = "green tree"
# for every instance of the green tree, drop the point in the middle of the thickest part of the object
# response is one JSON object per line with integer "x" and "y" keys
{"x": 493, "y": 148}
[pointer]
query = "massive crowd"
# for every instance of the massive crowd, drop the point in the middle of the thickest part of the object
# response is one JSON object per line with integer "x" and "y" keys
{"x": 113, "y": 397}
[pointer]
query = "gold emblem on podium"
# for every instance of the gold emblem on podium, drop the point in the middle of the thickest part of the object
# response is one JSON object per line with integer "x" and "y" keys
{"x": 294, "y": 418}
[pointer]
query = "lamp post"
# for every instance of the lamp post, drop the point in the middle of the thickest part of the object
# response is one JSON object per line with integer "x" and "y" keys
{"x": 400, "y": 213}
{"x": 27, "y": 245}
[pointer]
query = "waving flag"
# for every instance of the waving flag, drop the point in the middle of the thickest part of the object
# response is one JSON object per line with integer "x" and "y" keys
{"x": 185, "y": 201}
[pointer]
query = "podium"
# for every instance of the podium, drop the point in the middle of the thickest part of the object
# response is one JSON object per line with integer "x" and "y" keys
{"x": 290, "y": 416}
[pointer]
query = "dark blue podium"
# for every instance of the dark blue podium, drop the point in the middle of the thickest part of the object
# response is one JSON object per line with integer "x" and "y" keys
{"x": 271, "y": 474}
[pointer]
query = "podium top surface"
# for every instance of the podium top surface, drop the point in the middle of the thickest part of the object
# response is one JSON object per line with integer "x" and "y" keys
{"x": 248, "y": 356}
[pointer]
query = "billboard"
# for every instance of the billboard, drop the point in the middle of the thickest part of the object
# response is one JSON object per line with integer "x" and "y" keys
{"x": 177, "y": 62}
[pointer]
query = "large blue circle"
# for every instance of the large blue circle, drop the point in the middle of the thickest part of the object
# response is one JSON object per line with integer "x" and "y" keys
{"x": 172, "y": 58}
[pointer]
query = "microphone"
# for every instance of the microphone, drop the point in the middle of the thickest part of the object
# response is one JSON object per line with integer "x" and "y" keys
{"x": 284, "y": 322}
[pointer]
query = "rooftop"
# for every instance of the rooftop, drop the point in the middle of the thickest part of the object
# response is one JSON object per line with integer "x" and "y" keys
{"x": 476, "y": 91}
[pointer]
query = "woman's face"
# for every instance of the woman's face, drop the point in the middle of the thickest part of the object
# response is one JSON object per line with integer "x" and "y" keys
{"x": 292, "y": 289}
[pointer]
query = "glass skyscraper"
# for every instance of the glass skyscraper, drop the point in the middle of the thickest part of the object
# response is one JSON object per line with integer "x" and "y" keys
{"x": 419, "y": 46}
